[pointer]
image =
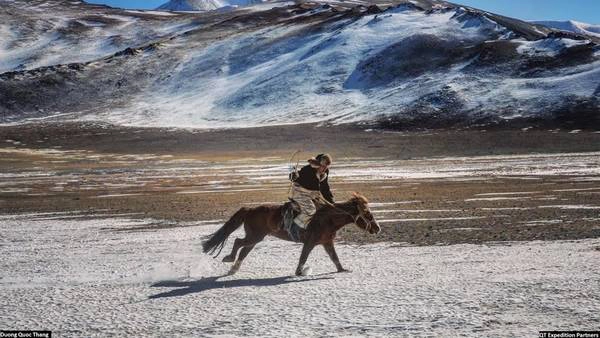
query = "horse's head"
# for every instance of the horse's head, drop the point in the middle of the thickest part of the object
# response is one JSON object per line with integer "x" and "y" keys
{"x": 364, "y": 218}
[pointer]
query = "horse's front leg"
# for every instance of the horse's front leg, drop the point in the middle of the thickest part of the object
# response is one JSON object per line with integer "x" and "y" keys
{"x": 334, "y": 257}
{"x": 306, "y": 249}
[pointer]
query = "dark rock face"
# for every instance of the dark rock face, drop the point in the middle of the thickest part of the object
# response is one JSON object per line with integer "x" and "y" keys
{"x": 441, "y": 109}
{"x": 577, "y": 113}
{"x": 567, "y": 57}
{"x": 410, "y": 57}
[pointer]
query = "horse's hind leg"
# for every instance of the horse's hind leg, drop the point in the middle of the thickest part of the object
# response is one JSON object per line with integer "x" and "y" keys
{"x": 249, "y": 242}
{"x": 239, "y": 242}
{"x": 238, "y": 263}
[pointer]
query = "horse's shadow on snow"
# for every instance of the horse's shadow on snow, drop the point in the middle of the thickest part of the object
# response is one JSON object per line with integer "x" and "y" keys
{"x": 209, "y": 283}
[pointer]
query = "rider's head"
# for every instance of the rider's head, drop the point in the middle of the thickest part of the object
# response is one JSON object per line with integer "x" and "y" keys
{"x": 322, "y": 160}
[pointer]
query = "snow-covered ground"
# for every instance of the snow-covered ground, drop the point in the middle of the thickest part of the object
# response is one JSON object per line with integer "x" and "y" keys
{"x": 84, "y": 277}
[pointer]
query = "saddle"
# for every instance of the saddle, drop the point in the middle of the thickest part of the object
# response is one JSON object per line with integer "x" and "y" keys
{"x": 289, "y": 211}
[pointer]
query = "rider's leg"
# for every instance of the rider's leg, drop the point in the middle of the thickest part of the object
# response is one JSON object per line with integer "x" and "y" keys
{"x": 303, "y": 197}
{"x": 308, "y": 209}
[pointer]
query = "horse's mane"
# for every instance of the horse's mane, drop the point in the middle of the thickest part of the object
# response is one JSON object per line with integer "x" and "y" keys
{"x": 360, "y": 198}
{"x": 356, "y": 198}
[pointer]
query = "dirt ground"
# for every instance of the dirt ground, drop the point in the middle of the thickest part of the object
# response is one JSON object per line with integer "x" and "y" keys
{"x": 430, "y": 187}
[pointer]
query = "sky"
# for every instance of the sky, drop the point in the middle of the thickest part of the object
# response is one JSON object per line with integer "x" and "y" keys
{"x": 579, "y": 10}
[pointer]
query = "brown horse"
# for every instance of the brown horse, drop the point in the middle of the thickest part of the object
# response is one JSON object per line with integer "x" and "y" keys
{"x": 266, "y": 220}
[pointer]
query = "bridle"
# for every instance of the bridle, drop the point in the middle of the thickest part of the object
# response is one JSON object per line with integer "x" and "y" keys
{"x": 355, "y": 219}
{"x": 361, "y": 216}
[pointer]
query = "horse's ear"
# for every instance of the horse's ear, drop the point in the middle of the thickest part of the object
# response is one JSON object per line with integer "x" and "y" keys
{"x": 355, "y": 194}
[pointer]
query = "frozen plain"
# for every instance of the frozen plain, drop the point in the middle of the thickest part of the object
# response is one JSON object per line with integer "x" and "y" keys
{"x": 97, "y": 276}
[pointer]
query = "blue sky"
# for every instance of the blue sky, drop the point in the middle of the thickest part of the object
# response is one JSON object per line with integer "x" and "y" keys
{"x": 580, "y": 10}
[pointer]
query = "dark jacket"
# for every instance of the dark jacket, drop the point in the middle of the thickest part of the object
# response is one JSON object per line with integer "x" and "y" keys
{"x": 308, "y": 179}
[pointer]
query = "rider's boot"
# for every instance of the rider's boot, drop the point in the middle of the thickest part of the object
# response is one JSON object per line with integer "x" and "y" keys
{"x": 300, "y": 222}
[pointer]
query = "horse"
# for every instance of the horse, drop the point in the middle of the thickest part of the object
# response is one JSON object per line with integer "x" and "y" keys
{"x": 266, "y": 220}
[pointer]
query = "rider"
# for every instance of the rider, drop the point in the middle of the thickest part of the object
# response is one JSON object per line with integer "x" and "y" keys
{"x": 309, "y": 184}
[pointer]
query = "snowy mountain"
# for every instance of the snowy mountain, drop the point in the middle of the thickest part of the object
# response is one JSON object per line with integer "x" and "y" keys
{"x": 204, "y": 5}
{"x": 572, "y": 26}
{"x": 191, "y": 5}
{"x": 406, "y": 64}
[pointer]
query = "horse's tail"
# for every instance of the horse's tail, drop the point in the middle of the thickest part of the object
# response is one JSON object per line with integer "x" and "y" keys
{"x": 218, "y": 239}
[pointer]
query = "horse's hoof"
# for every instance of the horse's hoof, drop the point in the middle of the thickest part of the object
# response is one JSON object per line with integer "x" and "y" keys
{"x": 228, "y": 259}
{"x": 304, "y": 272}
{"x": 234, "y": 268}
{"x": 344, "y": 270}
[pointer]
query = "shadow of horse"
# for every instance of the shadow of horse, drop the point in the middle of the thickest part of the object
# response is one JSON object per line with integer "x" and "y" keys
{"x": 187, "y": 287}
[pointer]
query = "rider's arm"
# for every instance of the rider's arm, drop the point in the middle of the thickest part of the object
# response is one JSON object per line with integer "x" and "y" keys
{"x": 325, "y": 191}
{"x": 306, "y": 178}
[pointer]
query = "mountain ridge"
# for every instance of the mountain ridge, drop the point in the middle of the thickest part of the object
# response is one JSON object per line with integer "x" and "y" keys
{"x": 572, "y": 26}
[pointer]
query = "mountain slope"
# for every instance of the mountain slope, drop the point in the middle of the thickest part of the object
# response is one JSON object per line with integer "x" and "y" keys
{"x": 419, "y": 64}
